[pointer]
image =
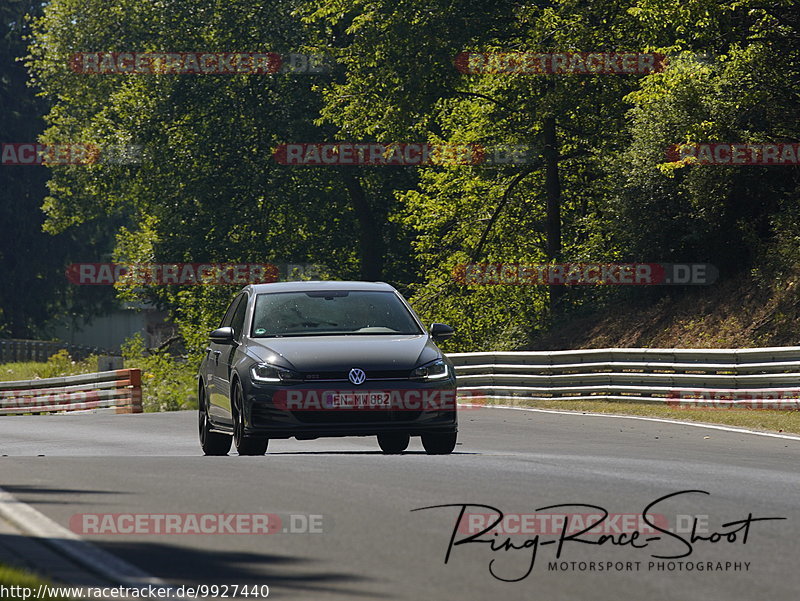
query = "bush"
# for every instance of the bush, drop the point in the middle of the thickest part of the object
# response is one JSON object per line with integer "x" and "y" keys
{"x": 168, "y": 382}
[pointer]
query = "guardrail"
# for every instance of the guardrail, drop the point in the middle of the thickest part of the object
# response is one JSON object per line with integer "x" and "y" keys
{"x": 119, "y": 390}
{"x": 12, "y": 349}
{"x": 748, "y": 378}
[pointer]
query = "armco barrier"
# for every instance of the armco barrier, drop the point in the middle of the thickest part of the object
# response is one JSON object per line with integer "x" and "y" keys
{"x": 750, "y": 378}
{"x": 12, "y": 350}
{"x": 120, "y": 390}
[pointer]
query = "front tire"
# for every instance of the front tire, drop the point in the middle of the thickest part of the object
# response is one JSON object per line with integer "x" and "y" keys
{"x": 392, "y": 443}
{"x": 245, "y": 445}
{"x": 439, "y": 444}
{"x": 212, "y": 443}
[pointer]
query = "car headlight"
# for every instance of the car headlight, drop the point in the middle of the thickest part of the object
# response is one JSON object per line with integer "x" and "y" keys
{"x": 437, "y": 370}
{"x": 264, "y": 372}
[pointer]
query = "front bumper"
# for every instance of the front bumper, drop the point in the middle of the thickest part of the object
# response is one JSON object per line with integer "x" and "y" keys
{"x": 265, "y": 415}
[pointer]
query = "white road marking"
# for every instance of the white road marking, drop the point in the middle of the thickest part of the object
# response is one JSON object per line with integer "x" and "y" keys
{"x": 35, "y": 524}
{"x": 642, "y": 418}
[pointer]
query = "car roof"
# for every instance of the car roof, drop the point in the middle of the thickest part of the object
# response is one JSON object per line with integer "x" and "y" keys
{"x": 320, "y": 285}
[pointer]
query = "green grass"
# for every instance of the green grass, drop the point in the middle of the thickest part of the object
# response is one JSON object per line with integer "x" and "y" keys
{"x": 167, "y": 383}
{"x": 13, "y": 577}
{"x": 754, "y": 419}
{"x": 60, "y": 364}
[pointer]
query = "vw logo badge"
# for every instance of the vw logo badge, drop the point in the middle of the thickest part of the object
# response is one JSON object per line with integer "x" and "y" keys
{"x": 357, "y": 376}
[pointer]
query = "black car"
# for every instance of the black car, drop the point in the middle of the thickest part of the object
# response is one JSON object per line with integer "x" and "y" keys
{"x": 312, "y": 359}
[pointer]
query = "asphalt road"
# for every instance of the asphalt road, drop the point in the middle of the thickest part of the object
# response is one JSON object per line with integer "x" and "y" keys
{"x": 373, "y": 545}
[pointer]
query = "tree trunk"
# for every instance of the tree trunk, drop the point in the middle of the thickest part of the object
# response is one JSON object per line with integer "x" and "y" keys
{"x": 552, "y": 186}
{"x": 370, "y": 232}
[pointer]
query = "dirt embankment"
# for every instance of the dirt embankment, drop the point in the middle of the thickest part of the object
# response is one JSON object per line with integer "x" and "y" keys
{"x": 736, "y": 313}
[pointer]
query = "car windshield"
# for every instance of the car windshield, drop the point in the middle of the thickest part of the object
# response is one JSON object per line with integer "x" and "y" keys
{"x": 331, "y": 312}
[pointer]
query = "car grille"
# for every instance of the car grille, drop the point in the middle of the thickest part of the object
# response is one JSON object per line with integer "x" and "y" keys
{"x": 341, "y": 376}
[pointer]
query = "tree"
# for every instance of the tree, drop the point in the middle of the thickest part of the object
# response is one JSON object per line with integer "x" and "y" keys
{"x": 208, "y": 187}
{"x": 35, "y": 292}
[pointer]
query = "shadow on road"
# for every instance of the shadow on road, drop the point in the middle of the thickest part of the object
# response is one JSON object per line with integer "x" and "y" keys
{"x": 192, "y": 567}
{"x": 30, "y": 554}
{"x": 36, "y": 494}
{"x": 358, "y": 453}
{"x": 180, "y": 565}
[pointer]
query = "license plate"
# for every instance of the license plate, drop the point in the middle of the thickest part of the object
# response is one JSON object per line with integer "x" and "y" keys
{"x": 358, "y": 400}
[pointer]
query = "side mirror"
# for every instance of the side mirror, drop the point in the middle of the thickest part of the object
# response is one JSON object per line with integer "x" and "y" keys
{"x": 222, "y": 335}
{"x": 440, "y": 331}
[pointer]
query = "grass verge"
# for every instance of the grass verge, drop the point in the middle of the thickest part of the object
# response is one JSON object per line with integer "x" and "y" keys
{"x": 754, "y": 419}
{"x": 27, "y": 583}
{"x": 168, "y": 383}
{"x": 59, "y": 364}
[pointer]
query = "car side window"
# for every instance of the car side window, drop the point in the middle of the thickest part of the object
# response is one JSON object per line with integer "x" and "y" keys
{"x": 238, "y": 318}
{"x": 228, "y": 319}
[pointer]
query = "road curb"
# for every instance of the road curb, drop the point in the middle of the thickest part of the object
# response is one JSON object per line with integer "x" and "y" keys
{"x": 35, "y": 524}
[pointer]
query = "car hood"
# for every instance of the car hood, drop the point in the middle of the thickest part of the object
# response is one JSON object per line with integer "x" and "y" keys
{"x": 333, "y": 353}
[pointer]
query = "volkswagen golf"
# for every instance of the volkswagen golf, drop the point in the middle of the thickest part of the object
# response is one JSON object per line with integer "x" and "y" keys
{"x": 316, "y": 359}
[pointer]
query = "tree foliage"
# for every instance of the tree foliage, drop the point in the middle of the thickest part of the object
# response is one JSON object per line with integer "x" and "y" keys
{"x": 598, "y": 185}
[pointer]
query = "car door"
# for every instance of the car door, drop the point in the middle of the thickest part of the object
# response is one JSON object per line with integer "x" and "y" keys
{"x": 217, "y": 361}
{"x": 227, "y": 358}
